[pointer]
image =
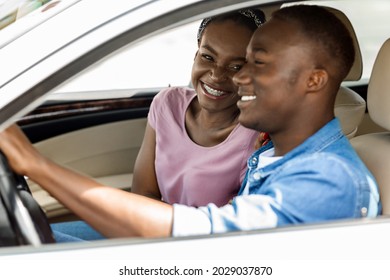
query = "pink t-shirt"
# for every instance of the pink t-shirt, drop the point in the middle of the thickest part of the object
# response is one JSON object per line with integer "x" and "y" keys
{"x": 188, "y": 173}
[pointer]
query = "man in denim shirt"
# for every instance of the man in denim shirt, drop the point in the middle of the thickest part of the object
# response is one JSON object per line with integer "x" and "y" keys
{"x": 321, "y": 179}
{"x": 308, "y": 172}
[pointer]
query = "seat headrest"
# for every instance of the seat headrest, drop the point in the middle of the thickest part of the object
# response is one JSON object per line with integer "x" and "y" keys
{"x": 378, "y": 93}
{"x": 350, "y": 108}
{"x": 357, "y": 68}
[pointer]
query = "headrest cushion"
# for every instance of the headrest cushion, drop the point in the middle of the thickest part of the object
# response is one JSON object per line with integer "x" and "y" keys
{"x": 350, "y": 108}
{"x": 378, "y": 94}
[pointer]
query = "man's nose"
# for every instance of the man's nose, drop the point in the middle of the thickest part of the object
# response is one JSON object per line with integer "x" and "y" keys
{"x": 242, "y": 77}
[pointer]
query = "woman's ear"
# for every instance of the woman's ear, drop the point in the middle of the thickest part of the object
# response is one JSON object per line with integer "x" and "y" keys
{"x": 317, "y": 80}
{"x": 196, "y": 54}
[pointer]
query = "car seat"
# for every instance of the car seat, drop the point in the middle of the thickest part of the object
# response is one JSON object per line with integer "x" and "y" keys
{"x": 350, "y": 108}
{"x": 374, "y": 148}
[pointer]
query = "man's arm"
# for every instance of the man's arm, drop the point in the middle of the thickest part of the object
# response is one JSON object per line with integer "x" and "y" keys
{"x": 112, "y": 212}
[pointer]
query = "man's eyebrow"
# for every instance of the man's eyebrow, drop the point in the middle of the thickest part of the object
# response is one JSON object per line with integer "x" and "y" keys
{"x": 253, "y": 50}
{"x": 258, "y": 49}
{"x": 211, "y": 49}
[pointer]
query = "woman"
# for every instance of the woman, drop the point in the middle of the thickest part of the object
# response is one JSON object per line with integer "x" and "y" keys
{"x": 193, "y": 135}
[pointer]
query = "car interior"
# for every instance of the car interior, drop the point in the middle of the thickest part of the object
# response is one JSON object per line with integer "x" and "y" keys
{"x": 104, "y": 143}
{"x": 374, "y": 148}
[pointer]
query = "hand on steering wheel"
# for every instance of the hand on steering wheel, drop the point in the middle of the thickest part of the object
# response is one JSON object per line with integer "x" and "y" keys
{"x": 28, "y": 221}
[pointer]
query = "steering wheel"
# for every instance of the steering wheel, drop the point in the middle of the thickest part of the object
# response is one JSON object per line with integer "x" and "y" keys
{"x": 25, "y": 222}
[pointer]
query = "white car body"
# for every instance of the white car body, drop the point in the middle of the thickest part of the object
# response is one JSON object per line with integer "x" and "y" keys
{"x": 46, "y": 61}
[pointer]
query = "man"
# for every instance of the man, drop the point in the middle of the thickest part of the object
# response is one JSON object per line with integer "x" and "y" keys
{"x": 308, "y": 172}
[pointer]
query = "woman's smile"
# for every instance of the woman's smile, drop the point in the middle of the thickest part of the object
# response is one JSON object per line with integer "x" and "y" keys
{"x": 214, "y": 93}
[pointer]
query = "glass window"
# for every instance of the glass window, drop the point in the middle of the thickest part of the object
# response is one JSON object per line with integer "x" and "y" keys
{"x": 159, "y": 61}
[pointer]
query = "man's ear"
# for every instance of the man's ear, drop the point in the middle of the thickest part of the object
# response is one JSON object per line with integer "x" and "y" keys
{"x": 317, "y": 80}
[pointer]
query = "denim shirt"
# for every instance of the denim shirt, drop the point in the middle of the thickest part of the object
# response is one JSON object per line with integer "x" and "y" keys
{"x": 321, "y": 179}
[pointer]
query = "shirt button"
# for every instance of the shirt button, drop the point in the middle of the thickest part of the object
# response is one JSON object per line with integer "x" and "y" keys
{"x": 363, "y": 211}
{"x": 254, "y": 160}
{"x": 256, "y": 176}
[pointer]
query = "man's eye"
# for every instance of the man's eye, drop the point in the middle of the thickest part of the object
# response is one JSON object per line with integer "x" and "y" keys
{"x": 258, "y": 61}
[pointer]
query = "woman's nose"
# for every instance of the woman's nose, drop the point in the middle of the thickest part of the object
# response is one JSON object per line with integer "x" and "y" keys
{"x": 218, "y": 74}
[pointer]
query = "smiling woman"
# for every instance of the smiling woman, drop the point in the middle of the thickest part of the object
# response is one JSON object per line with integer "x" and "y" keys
{"x": 200, "y": 127}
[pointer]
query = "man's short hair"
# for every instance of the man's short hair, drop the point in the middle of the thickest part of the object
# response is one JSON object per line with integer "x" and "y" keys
{"x": 323, "y": 27}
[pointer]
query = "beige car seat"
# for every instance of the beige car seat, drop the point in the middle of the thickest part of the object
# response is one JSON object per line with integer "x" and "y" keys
{"x": 374, "y": 148}
{"x": 350, "y": 108}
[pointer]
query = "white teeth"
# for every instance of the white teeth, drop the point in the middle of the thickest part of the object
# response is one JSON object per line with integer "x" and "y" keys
{"x": 213, "y": 91}
{"x": 248, "y": 97}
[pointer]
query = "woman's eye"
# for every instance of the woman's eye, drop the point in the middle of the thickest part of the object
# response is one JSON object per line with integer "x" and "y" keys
{"x": 207, "y": 57}
{"x": 236, "y": 67}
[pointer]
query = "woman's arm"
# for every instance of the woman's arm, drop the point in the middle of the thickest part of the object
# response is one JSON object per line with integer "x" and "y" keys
{"x": 113, "y": 212}
{"x": 144, "y": 175}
